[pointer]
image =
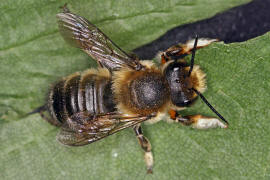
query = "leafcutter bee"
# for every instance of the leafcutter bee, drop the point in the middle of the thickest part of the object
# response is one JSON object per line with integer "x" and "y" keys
{"x": 123, "y": 91}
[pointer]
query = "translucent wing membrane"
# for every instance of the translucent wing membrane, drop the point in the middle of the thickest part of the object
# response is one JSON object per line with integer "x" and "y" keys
{"x": 83, "y": 128}
{"x": 80, "y": 32}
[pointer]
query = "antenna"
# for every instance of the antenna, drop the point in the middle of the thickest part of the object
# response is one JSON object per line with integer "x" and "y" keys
{"x": 193, "y": 55}
{"x": 210, "y": 106}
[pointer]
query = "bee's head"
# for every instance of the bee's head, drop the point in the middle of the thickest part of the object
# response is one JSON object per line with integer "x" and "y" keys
{"x": 186, "y": 82}
{"x": 182, "y": 82}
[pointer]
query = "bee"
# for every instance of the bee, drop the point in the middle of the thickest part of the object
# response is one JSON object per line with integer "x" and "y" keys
{"x": 123, "y": 91}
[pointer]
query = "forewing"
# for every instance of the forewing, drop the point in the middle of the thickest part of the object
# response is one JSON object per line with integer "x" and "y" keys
{"x": 82, "y": 128}
{"x": 83, "y": 34}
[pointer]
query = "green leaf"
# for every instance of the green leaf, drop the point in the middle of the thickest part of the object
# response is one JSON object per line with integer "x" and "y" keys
{"x": 34, "y": 55}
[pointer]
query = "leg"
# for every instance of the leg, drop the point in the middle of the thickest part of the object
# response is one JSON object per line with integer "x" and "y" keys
{"x": 197, "y": 121}
{"x": 49, "y": 119}
{"x": 41, "y": 111}
{"x": 65, "y": 8}
{"x": 146, "y": 146}
{"x": 181, "y": 50}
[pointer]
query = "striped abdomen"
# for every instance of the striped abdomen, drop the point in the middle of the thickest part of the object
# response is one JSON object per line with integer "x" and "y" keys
{"x": 89, "y": 91}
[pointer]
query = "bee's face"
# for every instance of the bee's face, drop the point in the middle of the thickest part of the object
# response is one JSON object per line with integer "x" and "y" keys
{"x": 180, "y": 83}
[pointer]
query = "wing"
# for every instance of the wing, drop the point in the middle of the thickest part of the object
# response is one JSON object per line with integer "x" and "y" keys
{"x": 83, "y": 128}
{"x": 83, "y": 34}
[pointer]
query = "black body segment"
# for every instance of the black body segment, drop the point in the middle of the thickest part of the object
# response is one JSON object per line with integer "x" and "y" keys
{"x": 79, "y": 93}
{"x": 180, "y": 83}
{"x": 56, "y": 102}
{"x": 71, "y": 95}
{"x": 107, "y": 98}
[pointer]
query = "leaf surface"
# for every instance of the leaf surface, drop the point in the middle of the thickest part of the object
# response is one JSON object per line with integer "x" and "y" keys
{"x": 34, "y": 55}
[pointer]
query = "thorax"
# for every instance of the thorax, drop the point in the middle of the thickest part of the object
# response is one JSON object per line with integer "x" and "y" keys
{"x": 140, "y": 92}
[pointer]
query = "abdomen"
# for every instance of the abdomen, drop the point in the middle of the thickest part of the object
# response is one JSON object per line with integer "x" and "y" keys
{"x": 89, "y": 91}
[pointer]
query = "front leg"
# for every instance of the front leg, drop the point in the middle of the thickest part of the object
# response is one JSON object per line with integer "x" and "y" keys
{"x": 179, "y": 51}
{"x": 146, "y": 146}
{"x": 197, "y": 121}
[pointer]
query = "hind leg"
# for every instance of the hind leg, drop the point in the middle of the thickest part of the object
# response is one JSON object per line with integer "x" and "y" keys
{"x": 146, "y": 146}
{"x": 49, "y": 119}
{"x": 41, "y": 110}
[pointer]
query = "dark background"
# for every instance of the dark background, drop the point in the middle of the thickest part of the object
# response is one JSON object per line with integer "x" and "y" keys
{"x": 234, "y": 25}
